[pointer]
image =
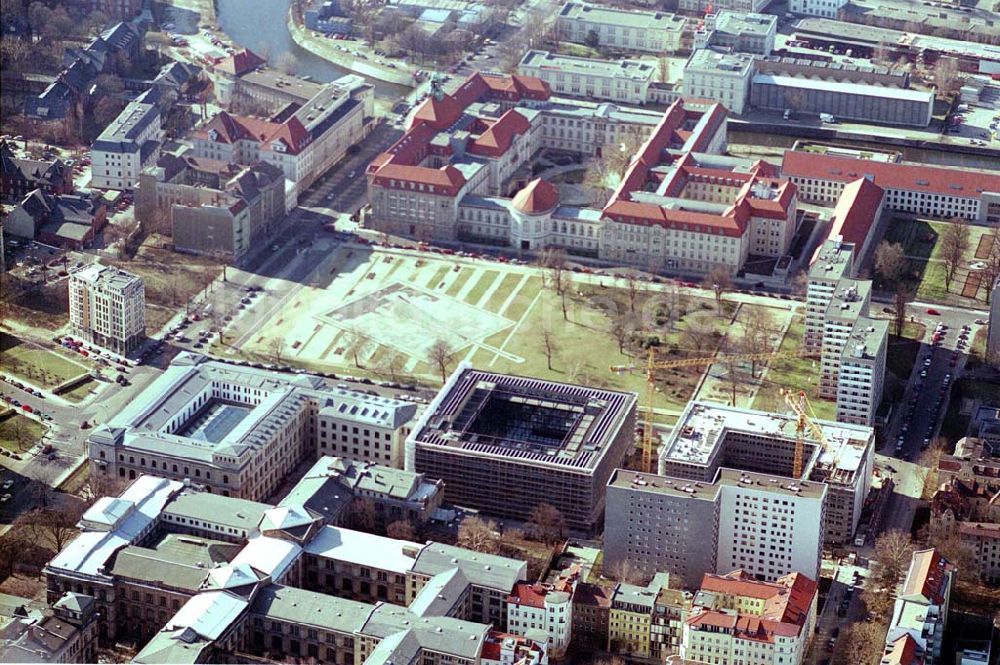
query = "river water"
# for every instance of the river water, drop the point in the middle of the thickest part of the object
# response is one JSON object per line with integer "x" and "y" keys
{"x": 262, "y": 27}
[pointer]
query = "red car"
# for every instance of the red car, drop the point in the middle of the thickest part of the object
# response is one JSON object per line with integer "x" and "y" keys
{"x": 27, "y": 407}
{"x": 934, "y": 312}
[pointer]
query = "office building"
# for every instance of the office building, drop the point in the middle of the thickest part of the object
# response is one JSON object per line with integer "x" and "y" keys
{"x": 720, "y": 76}
{"x": 630, "y": 619}
{"x": 211, "y": 207}
{"x": 107, "y": 307}
{"x": 334, "y": 484}
{"x": 921, "y": 609}
{"x": 238, "y": 431}
{"x": 129, "y": 144}
{"x": 156, "y": 574}
{"x": 737, "y": 31}
{"x": 630, "y": 30}
{"x": 622, "y": 81}
{"x": 926, "y": 191}
{"x": 503, "y": 444}
{"x": 548, "y": 608}
{"x": 821, "y": 8}
{"x": 993, "y": 327}
{"x": 862, "y": 372}
{"x": 304, "y": 140}
{"x": 737, "y": 614}
{"x": 702, "y": 7}
{"x": 719, "y": 466}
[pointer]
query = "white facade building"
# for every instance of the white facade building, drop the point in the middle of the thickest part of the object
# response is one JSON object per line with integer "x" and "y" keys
{"x": 719, "y": 76}
{"x": 533, "y": 607}
{"x": 107, "y": 307}
{"x": 862, "y": 372}
{"x": 993, "y": 329}
{"x": 126, "y": 146}
{"x": 625, "y": 81}
{"x": 848, "y": 303}
{"x": 822, "y": 8}
{"x": 647, "y": 31}
{"x": 834, "y": 261}
{"x": 921, "y": 609}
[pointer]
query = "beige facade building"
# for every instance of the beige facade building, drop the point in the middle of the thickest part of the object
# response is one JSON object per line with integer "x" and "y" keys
{"x": 107, "y": 307}
{"x": 629, "y": 30}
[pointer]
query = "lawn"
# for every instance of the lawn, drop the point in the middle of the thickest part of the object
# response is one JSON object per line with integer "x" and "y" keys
{"x": 36, "y": 364}
{"x": 80, "y": 392}
{"x": 795, "y": 374}
{"x": 18, "y": 433}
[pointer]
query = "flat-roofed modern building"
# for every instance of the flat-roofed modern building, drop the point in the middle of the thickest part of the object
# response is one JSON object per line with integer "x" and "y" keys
{"x": 127, "y": 145}
{"x": 503, "y": 444}
{"x": 701, "y": 7}
{"x": 862, "y": 372}
{"x": 107, "y": 307}
{"x": 834, "y": 261}
{"x": 630, "y": 30}
{"x": 239, "y": 431}
{"x": 625, "y": 81}
{"x": 743, "y": 33}
{"x": 721, "y": 76}
{"x": 848, "y": 303}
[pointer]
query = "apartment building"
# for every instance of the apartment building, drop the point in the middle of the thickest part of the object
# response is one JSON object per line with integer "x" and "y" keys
{"x": 737, "y": 31}
{"x": 548, "y": 608}
{"x": 481, "y": 436}
{"x": 64, "y": 633}
{"x": 211, "y": 207}
{"x": 129, "y": 144}
{"x": 833, "y": 262}
{"x": 630, "y": 619}
{"x": 921, "y": 609}
{"x": 239, "y": 431}
{"x": 623, "y": 81}
{"x": 304, "y": 141}
{"x": 670, "y": 613}
{"x": 927, "y": 191}
{"x": 862, "y": 372}
{"x": 648, "y": 31}
{"x": 107, "y": 307}
{"x": 983, "y": 540}
{"x": 591, "y": 608}
{"x": 848, "y": 304}
{"x": 702, "y": 7}
{"x": 720, "y": 76}
{"x": 738, "y": 618}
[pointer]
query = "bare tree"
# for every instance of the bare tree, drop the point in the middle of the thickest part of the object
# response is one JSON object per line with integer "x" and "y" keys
{"x": 927, "y": 465}
{"x": 101, "y": 485}
{"x": 878, "y": 602}
{"x": 890, "y": 261}
{"x": 51, "y": 527}
{"x": 476, "y": 533}
{"x": 554, "y": 261}
{"x": 758, "y": 327}
{"x": 546, "y": 524}
{"x": 358, "y": 345}
{"x": 622, "y": 325}
{"x": 954, "y": 246}
{"x": 441, "y": 355}
{"x": 735, "y": 373}
{"x": 719, "y": 281}
{"x": 362, "y": 516}
{"x": 900, "y": 299}
{"x": 947, "y": 75}
{"x": 401, "y": 530}
{"x": 275, "y": 348}
{"x": 862, "y": 644}
{"x": 893, "y": 550}
{"x": 699, "y": 335}
{"x": 991, "y": 269}
{"x": 548, "y": 343}
{"x": 632, "y": 289}
{"x": 958, "y": 552}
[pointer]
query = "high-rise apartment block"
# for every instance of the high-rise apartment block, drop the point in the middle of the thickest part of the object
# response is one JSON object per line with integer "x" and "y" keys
{"x": 504, "y": 444}
{"x": 726, "y": 489}
{"x": 833, "y": 262}
{"x": 848, "y": 303}
{"x": 993, "y": 329}
{"x": 239, "y": 430}
{"x": 862, "y": 372}
{"x": 107, "y": 307}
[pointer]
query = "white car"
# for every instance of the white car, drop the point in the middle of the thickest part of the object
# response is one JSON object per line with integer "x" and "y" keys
{"x": 7, "y": 484}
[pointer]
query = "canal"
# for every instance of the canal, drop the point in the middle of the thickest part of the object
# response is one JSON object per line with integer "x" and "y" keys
{"x": 262, "y": 28}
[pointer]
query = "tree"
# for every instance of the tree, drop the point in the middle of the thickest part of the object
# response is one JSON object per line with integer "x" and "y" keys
{"x": 38, "y": 17}
{"x": 927, "y": 464}
{"x": 879, "y": 603}
{"x": 991, "y": 269}
{"x": 735, "y": 373}
{"x": 719, "y": 281}
{"x": 593, "y": 40}
{"x": 554, "y": 261}
{"x": 102, "y": 485}
{"x": 632, "y": 289}
{"x": 401, "y": 530}
{"x": 548, "y": 343}
{"x": 890, "y": 261}
{"x": 941, "y": 535}
{"x": 622, "y": 327}
{"x": 757, "y": 330}
{"x": 663, "y": 69}
{"x": 476, "y": 533}
{"x": 900, "y": 299}
{"x": 441, "y": 355}
{"x": 947, "y": 75}
{"x": 954, "y": 246}
{"x": 358, "y": 345}
{"x": 546, "y": 524}
{"x": 699, "y": 335}
{"x": 51, "y": 527}
{"x": 595, "y": 182}
{"x": 275, "y": 348}
{"x": 394, "y": 364}
{"x": 893, "y": 550}
{"x": 287, "y": 63}
{"x": 860, "y": 644}
{"x": 362, "y": 516}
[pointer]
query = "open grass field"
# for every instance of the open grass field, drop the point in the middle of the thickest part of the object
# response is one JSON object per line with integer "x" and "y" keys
{"x": 18, "y": 433}
{"x": 36, "y": 364}
{"x": 920, "y": 240}
{"x": 795, "y": 373}
{"x": 80, "y": 392}
{"x": 380, "y": 313}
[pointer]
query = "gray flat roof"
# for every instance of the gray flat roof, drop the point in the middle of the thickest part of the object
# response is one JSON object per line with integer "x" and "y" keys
{"x": 719, "y": 61}
{"x": 217, "y": 509}
{"x": 867, "y": 337}
{"x": 635, "y": 70}
{"x": 486, "y": 570}
{"x": 579, "y": 11}
{"x": 298, "y": 606}
{"x": 862, "y": 89}
{"x": 739, "y": 23}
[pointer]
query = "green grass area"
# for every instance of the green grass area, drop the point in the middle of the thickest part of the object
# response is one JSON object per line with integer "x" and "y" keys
{"x": 36, "y": 364}
{"x": 517, "y": 307}
{"x": 795, "y": 373}
{"x": 502, "y": 292}
{"x": 80, "y": 392}
{"x": 18, "y": 433}
{"x": 456, "y": 286}
{"x": 484, "y": 282}
{"x": 436, "y": 278}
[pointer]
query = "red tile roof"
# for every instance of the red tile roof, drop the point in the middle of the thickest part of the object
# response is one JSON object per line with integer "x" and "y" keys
{"x": 903, "y": 652}
{"x": 532, "y": 595}
{"x": 713, "y": 618}
{"x": 788, "y": 600}
{"x": 857, "y": 211}
{"x": 927, "y": 575}
{"x": 241, "y": 62}
{"x": 449, "y": 179}
{"x": 538, "y": 196}
{"x": 910, "y": 177}
{"x": 498, "y": 136}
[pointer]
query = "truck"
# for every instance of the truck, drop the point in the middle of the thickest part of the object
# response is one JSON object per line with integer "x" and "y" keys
{"x": 827, "y": 118}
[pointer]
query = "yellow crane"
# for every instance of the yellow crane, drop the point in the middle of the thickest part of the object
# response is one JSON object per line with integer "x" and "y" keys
{"x": 652, "y": 365}
{"x": 798, "y": 404}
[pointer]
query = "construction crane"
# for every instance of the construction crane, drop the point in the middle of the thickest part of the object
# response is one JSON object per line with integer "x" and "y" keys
{"x": 798, "y": 404}
{"x": 652, "y": 365}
